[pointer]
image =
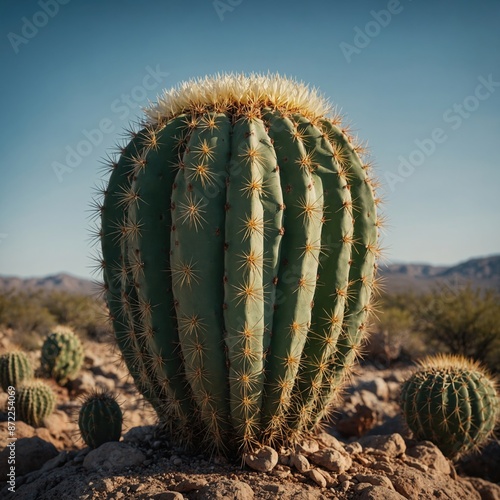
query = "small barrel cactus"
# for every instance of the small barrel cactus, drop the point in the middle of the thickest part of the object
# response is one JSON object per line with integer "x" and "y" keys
{"x": 15, "y": 367}
{"x": 35, "y": 400}
{"x": 452, "y": 402}
{"x": 62, "y": 355}
{"x": 239, "y": 239}
{"x": 100, "y": 419}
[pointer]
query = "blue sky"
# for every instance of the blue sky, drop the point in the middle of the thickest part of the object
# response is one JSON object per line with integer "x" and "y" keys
{"x": 420, "y": 81}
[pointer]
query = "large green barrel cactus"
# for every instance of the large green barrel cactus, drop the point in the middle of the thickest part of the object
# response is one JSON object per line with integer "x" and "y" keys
{"x": 100, "y": 419}
{"x": 62, "y": 355}
{"x": 452, "y": 402}
{"x": 239, "y": 239}
{"x": 15, "y": 367}
{"x": 35, "y": 401}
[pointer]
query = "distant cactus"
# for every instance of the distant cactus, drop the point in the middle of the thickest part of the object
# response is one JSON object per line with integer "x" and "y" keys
{"x": 35, "y": 401}
{"x": 62, "y": 355}
{"x": 452, "y": 402}
{"x": 239, "y": 239}
{"x": 100, "y": 419}
{"x": 15, "y": 367}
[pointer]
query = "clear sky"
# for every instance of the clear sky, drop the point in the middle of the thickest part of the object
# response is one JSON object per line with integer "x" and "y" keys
{"x": 419, "y": 80}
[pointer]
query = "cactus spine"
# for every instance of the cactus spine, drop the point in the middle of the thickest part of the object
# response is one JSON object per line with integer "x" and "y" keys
{"x": 100, "y": 419}
{"x": 15, "y": 367}
{"x": 62, "y": 355}
{"x": 239, "y": 238}
{"x": 35, "y": 401}
{"x": 452, "y": 402}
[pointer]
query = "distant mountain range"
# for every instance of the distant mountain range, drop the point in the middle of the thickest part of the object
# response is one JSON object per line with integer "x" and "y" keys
{"x": 481, "y": 272}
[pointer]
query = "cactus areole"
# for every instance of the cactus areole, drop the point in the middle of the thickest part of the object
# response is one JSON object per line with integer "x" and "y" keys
{"x": 239, "y": 238}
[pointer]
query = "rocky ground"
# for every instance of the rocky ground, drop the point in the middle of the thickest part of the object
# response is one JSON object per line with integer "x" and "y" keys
{"x": 367, "y": 453}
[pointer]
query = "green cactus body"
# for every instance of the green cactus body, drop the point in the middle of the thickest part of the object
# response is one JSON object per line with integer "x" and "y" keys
{"x": 239, "y": 240}
{"x": 15, "y": 368}
{"x": 100, "y": 419}
{"x": 35, "y": 401}
{"x": 62, "y": 355}
{"x": 452, "y": 402}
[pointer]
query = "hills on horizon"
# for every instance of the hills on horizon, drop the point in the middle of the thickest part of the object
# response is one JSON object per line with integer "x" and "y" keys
{"x": 482, "y": 272}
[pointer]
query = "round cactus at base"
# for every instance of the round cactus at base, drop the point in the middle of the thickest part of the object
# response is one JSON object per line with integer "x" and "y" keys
{"x": 100, "y": 419}
{"x": 452, "y": 402}
{"x": 239, "y": 239}
{"x": 35, "y": 401}
{"x": 62, "y": 355}
{"x": 15, "y": 367}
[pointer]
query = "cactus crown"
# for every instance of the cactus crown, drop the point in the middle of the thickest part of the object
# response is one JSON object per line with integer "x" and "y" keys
{"x": 62, "y": 355}
{"x": 239, "y": 239}
{"x": 451, "y": 401}
{"x": 35, "y": 400}
{"x": 229, "y": 92}
{"x": 100, "y": 419}
{"x": 15, "y": 367}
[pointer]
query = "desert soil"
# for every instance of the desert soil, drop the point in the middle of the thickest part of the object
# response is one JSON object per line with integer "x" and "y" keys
{"x": 366, "y": 453}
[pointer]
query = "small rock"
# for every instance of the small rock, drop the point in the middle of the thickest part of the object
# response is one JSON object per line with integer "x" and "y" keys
{"x": 329, "y": 441}
{"x": 487, "y": 490}
{"x": 273, "y": 488}
{"x": 394, "y": 390}
{"x": 227, "y": 489}
{"x": 139, "y": 434}
{"x": 113, "y": 456}
{"x": 168, "y": 495}
{"x": 377, "y": 386}
{"x": 23, "y": 430}
{"x": 378, "y": 493}
{"x": 330, "y": 481}
{"x": 318, "y": 478}
{"x": 413, "y": 462}
{"x": 383, "y": 466}
{"x": 31, "y": 454}
{"x": 375, "y": 480}
{"x": 264, "y": 460}
{"x": 82, "y": 384}
{"x": 392, "y": 445}
{"x": 307, "y": 446}
{"x": 191, "y": 484}
{"x": 177, "y": 461}
{"x": 55, "y": 462}
{"x": 344, "y": 486}
{"x": 368, "y": 398}
{"x": 281, "y": 471}
{"x": 429, "y": 454}
{"x": 300, "y": 462}
{"x": 332, "y": 460}
{"x": 358, "y": 422}
{"x": 354, "y": 447}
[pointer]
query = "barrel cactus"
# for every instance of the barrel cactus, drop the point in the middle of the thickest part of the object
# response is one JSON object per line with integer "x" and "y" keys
{"x": 35, "y": 400}
{"x": 100, "y": 419}
{"x": 239, "y": 242}
{"x": 62, "y": 355}
{"x": 452, "y": 402}
{"x": 15, "y": 367}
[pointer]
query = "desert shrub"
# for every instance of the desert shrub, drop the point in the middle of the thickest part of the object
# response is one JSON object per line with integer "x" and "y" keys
{"x": 463, "y": 320}
{"x": 85, "y": 314}
{"x": 32, "y": 315}
{"x": 393, "y": 331}
{"x": 23, "y": 312}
